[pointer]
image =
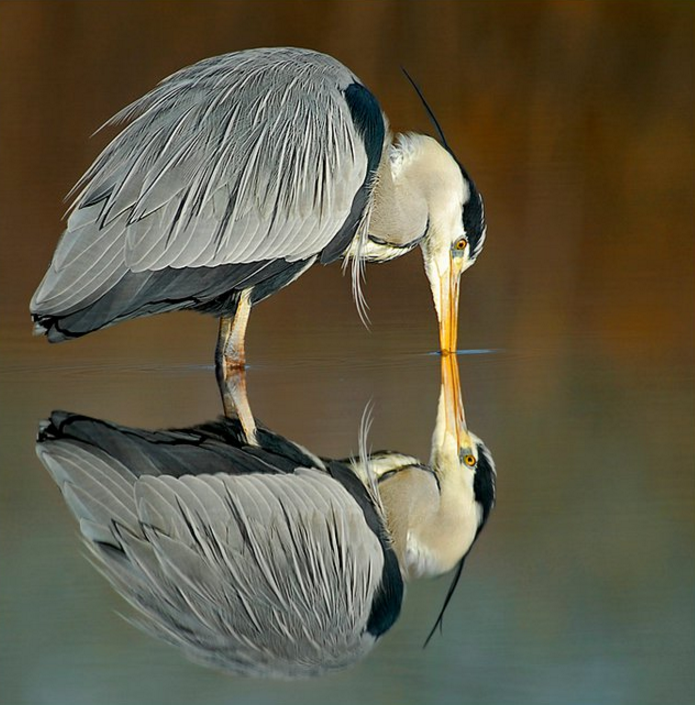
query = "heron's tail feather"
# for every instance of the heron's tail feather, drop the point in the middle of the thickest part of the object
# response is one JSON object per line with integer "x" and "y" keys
{"x": 97, "y": 487}
{"x": 136, "y": 294}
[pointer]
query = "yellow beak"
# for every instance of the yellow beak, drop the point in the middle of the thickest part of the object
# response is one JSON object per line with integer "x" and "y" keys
{"x": 454, "y": 416}
{"x": 448, "y": 308}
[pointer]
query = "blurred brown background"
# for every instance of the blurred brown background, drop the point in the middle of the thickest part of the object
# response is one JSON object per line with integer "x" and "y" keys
{"x": 576, "y": 120}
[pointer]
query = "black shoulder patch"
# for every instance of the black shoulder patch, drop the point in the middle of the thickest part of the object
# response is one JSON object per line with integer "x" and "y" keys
{"x": 369, "y": 123}
{"x": 386, "y": 605}
{"x": 366, "y": 114}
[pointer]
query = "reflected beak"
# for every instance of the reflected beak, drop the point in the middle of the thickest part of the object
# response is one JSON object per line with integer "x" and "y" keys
{"x": 450, "y": 433}
{"x": 454, "y": 415}
{"x": 446, "y": 293}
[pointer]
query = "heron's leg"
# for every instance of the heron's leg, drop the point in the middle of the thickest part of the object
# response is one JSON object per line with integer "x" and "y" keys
{"x": 230, "y": 352}
{"x": 232, "y": 384}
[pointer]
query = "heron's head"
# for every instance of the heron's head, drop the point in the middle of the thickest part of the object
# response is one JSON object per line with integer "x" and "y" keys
{"x": 464, "y": 468}
{"x": 456, "y": 220}
{"x": 436, "y": 511}
{"x": 455, "y": 233}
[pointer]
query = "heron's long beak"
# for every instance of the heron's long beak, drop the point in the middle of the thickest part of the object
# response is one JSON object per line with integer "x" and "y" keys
{"x": 451, "y": 433}
{"x": 455, "y": 418}
{"x": 445, "y": 291}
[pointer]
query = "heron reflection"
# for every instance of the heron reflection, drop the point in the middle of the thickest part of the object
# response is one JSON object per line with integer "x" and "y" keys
{"x": 257, "y": 556}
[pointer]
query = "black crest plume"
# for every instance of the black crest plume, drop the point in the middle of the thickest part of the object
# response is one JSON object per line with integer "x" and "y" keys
{"x": 449, "y": 595}
{"x": 429, "y": 110}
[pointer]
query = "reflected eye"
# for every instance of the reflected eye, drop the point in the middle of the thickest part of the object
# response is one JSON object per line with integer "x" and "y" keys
{"x": 469, "y": 460}
{"x": 461, "y": 244}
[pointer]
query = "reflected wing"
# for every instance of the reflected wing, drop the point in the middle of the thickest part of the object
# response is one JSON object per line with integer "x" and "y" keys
{"x": 265, "y": 574}
{"x": 242, "y": 158}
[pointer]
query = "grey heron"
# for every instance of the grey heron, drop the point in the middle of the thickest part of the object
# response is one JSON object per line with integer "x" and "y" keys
{"x": 259, "y": 557}
{"x": 236, "y": 174}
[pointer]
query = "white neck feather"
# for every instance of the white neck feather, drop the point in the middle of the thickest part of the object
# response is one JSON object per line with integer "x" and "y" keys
{"x": 431, "y": 526}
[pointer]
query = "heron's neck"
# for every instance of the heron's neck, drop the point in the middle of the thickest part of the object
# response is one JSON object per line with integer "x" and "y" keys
{"x": 433, "y": 521}
{"x": 400, "y": 208}
{"x": 432, "y": 511}
{"x": 450, "y": 529}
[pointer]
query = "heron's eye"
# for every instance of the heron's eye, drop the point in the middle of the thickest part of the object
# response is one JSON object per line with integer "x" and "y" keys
{"x": 469, "y": 460}
{"x": 461, "y": 244}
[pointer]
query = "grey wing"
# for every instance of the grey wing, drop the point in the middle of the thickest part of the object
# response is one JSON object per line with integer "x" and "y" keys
{"x": 270, "y": 575}
{"x": 243, "y": 158}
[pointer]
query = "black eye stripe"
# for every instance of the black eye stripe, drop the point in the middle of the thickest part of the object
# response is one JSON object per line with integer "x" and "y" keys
{"x": 484, "y": 481}
{"x": 473, "y": 215}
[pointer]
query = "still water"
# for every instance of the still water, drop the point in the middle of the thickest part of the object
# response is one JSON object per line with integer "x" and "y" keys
{"x": 579, "y": 589}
